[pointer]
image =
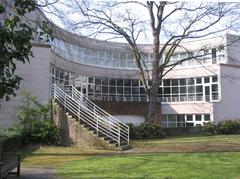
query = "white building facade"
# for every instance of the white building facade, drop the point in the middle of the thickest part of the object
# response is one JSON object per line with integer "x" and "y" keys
{"x": 193, "y": 93}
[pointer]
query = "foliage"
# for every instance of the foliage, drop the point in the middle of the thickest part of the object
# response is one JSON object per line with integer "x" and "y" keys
{"x": 15, "y": 37}
{"x": 10, "y": 132}
{"x": 16, "y": 33}
{"x": 148, "y": 130}
{"x": 36, "y": 121}
{"x": 229, "y": 127}
{"x": 209, "y": 129}
{"x": 223, "y": 127}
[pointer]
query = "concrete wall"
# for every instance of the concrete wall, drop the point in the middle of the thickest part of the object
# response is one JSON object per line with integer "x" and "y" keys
{"x": 233, "y": 46}
{"x": 229, "y": 106}
{"x": 187, "y": 108}
{"x": 35, "y": 79}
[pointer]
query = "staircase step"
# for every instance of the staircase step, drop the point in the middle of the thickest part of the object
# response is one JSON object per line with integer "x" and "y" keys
{"x": 124, "y": 147}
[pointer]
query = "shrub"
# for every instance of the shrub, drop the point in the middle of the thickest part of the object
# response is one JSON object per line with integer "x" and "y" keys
{"x": 10, "y": 132}
{"x": 229, "y": 127}
{"x": 223, "y": 127}
{"x": 210, "y": 128}
{"x": 147, "y": 130}
{"x": 36, "y": 121}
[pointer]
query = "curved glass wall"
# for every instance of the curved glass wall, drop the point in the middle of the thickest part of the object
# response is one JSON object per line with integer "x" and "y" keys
{"x": 109, "y": 59}
{"x": 115, "y": 89}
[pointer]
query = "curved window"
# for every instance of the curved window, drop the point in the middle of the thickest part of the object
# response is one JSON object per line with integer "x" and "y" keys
{"x": 111, "y": 89}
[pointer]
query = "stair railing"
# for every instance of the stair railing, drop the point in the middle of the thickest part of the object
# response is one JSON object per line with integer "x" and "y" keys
{"x": 91, "y": 114}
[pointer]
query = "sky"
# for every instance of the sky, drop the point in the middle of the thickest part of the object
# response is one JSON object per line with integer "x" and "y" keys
{"x": 64, "y": 9}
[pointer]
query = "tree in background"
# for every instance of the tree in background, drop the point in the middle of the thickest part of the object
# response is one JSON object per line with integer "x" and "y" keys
{"x": 168, "y": 23}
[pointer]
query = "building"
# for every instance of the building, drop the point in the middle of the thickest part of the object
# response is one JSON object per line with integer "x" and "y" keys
{"x": 194, "y": 92}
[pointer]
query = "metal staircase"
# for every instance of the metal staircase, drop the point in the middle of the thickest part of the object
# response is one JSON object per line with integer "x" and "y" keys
{"x": 89, "y": 114}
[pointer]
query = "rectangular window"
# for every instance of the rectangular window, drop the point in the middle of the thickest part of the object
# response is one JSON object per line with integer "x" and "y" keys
{"x": 189, "y": 124}
{"x": 175, "y": 82}
{"x": 182, "y": 81}
{"x": 112, "y": 82}
{"x": 206, "y": 117}
{"x": 166, "y": 82}
{"x": 206, "y": 80}
{"x": 199, "y": 80}
{"x": 98, "y": 81}
{"x": 90, "y": 80}
{"x": 120, "y": 82}
{"x": 198, "y": 117}
{"x": 214, "y": 79}
{"x": 135, "y": 83}
{"x": 189, "y": 118}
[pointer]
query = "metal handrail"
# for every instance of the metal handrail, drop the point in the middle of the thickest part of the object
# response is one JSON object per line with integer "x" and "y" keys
{"x": 85, "y": 110}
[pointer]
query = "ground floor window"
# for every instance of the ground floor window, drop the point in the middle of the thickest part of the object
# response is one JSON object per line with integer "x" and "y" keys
{"x": 184, "y": 120}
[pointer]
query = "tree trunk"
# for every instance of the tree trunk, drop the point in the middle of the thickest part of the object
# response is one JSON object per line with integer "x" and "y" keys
{"x": 154, "y": 109}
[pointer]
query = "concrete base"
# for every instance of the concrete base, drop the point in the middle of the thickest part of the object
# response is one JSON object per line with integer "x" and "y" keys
{"x": 74, "y": 133}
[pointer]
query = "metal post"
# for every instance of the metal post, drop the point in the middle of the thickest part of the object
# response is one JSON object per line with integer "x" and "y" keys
{"x": 97, "y": 125}
{"x": 119, "y": 139}
{"x": 95, "y": 117}
{"x": 79, "y": 117}
{"x": 65, "y": 102}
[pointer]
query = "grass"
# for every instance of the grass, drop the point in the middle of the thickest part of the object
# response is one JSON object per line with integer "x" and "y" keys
{"x": 172, "y": 165}
{"x": 218, "y": 143}
{"x": 178, "y": 157}
{"x": 53, "y": 156}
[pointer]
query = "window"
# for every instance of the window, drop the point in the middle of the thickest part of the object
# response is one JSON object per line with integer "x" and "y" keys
{"x": 214, "y": 79}
{"x": 206, "y": 117}
{"x": 189, "y": 118}
{"x": 199, "y": 80}
{"x": 189, "y": 124}
{"x": 198, "y": 117}
{"x": 206, "y": 80}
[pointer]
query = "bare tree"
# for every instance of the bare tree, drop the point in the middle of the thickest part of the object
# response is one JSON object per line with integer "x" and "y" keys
{"x": 169, "y": 23}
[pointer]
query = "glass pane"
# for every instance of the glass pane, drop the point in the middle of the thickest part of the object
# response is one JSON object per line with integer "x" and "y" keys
{"x": 214, "y": 79}
{"x": 206, "y": 80}
{"x": 198, "y": 117}
{"x": 189, "y": 117}
{"x": 127, "y": 82}
{"x": 199, "y": 80}
{"x": 104, "y": 89}
{"x": 175, "y": 82}
{"x": 104, "y": 81}
{"x": 182, "y": 81}
{"x": 166, "y": 82}
{"x": 171, "y": 118}
{"x": 120, "y": 82}
{"x": 164, "y": 118}
{"x": 112, "y": 82}
{"x": 206, "y": 117}
{"x": 180, "y": 118}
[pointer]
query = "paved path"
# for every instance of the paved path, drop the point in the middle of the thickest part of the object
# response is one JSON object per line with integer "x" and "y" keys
{"x": 35, "y": 173}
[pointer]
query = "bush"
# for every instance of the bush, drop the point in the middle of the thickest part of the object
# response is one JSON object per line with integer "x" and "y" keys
{"x": 147, "y": 130}
{"x": 223, "y": 127}
{"x": 210, "y": 128}
{"x": 229, "y": 127}
{"x": 10, "y": 132}
{"x": 37, "y": 122}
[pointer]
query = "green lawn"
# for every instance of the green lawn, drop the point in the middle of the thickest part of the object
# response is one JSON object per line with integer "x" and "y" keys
{"x": 218, "y": 143}
{"x": 177, "y": 157}
{"x": 171, "y": 165}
